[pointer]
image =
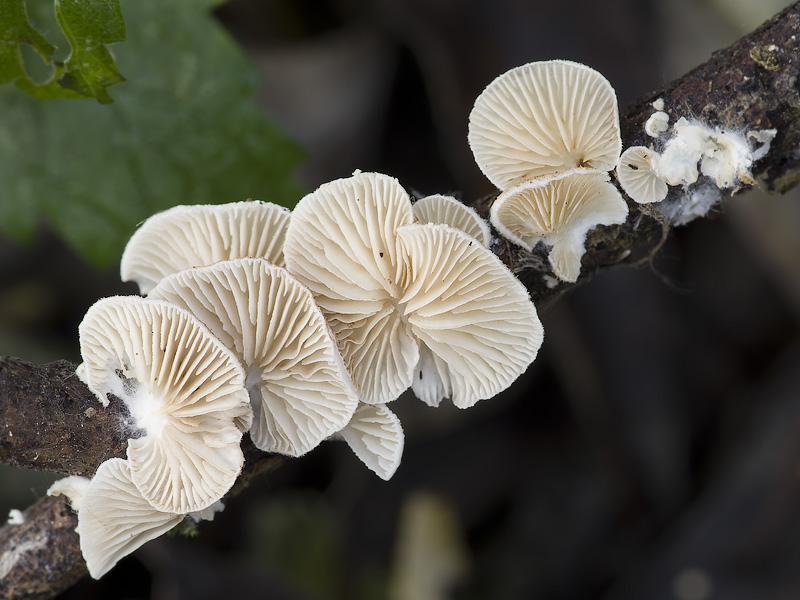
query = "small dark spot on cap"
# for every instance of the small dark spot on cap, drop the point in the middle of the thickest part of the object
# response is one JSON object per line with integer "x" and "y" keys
{"x": 420, "y": 375}
{"x": 381, "y": 253}
{"x": 633, "y": 167}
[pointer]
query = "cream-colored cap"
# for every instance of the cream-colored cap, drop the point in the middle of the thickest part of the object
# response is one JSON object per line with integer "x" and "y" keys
{"x": 198, "y": 235}
{"x": 544, "y": 118}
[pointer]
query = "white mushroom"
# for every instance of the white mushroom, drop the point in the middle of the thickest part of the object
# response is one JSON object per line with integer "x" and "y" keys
{"x": 559, "y": 210}
{"x": 298, "y": 385}
{"x": 657, "y": 124}
{"x": 182, "y": 387}
{"x": 15, "y": 517}
{"x": 730, "y": 161}
{"x": 690, "y": 142}
{"x": 73, "y": 487}
{"x": 467, "y": 309}
{"x": 194, "y": 236}
{"x": 114, "y": 518}
{"x": 638, "y": 176}
{"x": 544, "y": 118}
{"x": 394, "y": 291}
{"x": 342, "y": 244}
{"x": 449, "y": 211}
{"x": 376, "y": 437}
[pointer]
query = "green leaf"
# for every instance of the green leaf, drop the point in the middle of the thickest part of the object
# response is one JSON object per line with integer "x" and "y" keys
{"x": 183, "y": 130}
{"x": 90, "y": 68}
{"x": 88, "y": 25}
{"x": 15, "y": 29}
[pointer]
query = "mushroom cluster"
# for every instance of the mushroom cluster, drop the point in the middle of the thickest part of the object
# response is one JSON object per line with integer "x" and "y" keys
{"x": 691, "y": 149}
{"x": 301, "y": 326}
{"x": 547, "y": 134}
{"x": 295, "y": 327}
{"x": 227, "y": 341}
{"x": 411, "y": 303}
{"x": 185, "y": 391}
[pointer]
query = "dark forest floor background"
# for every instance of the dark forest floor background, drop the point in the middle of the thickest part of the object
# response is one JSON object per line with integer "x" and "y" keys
{"x": 653, "y": 448}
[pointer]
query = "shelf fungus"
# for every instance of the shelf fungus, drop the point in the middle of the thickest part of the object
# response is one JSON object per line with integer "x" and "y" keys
{"x": 449, "y": 211}
{"x": 638, "y": 175}
{"x": 299, "y": 389}
{"x": 546, "y": 134}
{"x": 396, "y": 293}
{"x": 198, "y": 235}
{"x": 114, "y": 519}
{"x": 184, "y": 389}
{"x": 376, "y": 437}
{"x": 559, "y": 210}
{"x": 544, "y": 118}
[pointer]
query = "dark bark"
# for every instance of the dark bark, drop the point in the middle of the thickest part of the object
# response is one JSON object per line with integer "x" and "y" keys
{"x": 52, "y": 421}
{"x": 41, "y": 556}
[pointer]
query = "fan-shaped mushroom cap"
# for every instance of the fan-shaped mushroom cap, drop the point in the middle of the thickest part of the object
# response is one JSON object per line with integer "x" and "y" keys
{"x": 449, "y": 211}
{"x": 376, "y": 437}
{"x": 73, "y": 487}
{"x": 341, "y": 243}
{"x": 114, "y": 518}
{"x": 182, "y": 386}
{"x": 638, "y": 176}
{"x": 560, "y": 210}
{"x": 299, "y": 388}
{"x": 467, "y": 308}
{"x": 195, "y": 236}
{"x": 657, "y": 124}
{"x": 543, "y": 118}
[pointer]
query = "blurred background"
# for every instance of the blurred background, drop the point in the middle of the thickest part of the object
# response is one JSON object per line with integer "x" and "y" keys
{"x": 653, "y": 448}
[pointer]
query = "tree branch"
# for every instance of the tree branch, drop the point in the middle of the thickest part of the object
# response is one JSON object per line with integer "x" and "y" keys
{"x": 53, "y": 422}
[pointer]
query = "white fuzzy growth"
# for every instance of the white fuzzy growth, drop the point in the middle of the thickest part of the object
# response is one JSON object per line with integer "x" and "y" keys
{"x": 694, "y": 203}
{"x": 550, "y": 281}
{"x": 678, "y": 162}
{"x": 15, "y": 517}
{"x": 148, "y": 410}
{"x": 729, "y": 162}
{"x": 657, "y": 124}
{"x": 697, "y": 203}
{"x": 723, "y": 156}
{"x": 659, "y": 104}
